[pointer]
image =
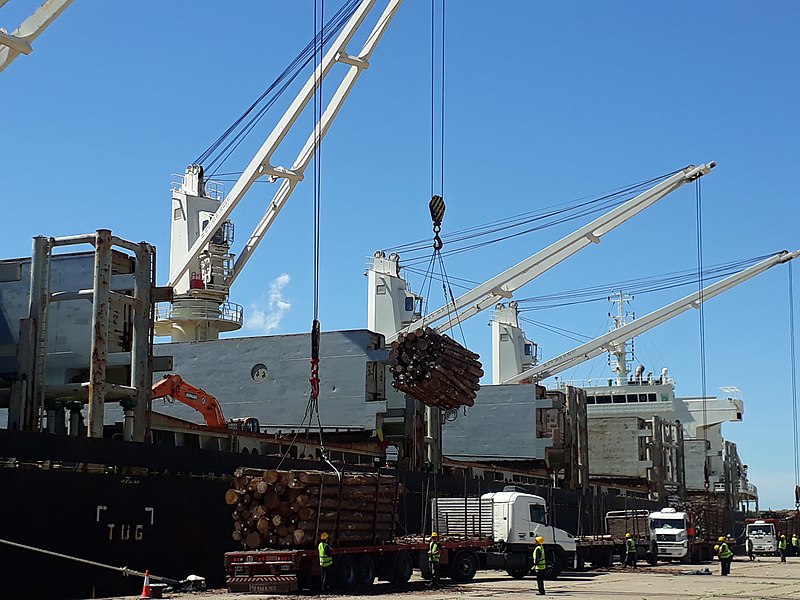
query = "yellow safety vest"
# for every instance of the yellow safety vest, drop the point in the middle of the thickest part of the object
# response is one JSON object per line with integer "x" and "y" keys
{"x": 782, "y": 545}
{"x": 630, "y": 546}
{"x": 724, "y": 551}
{"x": 795, "y": 541}
{"x": 325, "y": 559}
{"x": 433, "y": 552}
{"x": 538, "y": 558}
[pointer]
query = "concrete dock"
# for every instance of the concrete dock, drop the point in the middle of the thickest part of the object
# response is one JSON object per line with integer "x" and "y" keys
{"x": 766, "y": 578}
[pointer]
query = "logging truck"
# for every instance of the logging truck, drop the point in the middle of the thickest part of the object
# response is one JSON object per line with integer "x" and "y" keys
{"x": 496, "y": 531}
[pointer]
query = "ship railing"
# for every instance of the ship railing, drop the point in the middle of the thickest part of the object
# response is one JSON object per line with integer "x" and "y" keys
{"x": 227, "y": 311}
{"x": 214, "y": 189}
{"x": 597, "y": 382}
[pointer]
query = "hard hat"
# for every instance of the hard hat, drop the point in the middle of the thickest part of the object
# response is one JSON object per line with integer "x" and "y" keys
{"x": 323, "y": 535}
{"x": 783, "y": 536}
{"x": 716, "y": 548}
{"x": 434, "y": 534}
{"x": 721, "y": 538}
{"x": 627, "y": 535}
{"x": 539, "y": 539}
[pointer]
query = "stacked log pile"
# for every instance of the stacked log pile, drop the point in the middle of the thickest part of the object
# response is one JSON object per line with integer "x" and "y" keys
{"x": 289, "y": 509}
{"x": 435, "y": 369}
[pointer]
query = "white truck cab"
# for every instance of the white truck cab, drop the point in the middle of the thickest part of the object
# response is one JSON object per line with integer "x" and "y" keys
{"x": 518, "y": 518}
{"x": 671, "y": 529}
{"x": 765, "y": 539}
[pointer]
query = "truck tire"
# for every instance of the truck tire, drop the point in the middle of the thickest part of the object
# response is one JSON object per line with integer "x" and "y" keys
{"x": 464, "y": 566}
{"x": 652, "y": 559}
{"x": 580, "y": 562}
{"x": 346, "y": 572}
{"x": 365, "y": 569}
{"x": 555, "y": 564}
{"x": 402, "y": 567}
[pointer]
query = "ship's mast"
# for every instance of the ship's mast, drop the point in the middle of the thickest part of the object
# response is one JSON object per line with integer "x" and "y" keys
{"x": 623, "y": 352}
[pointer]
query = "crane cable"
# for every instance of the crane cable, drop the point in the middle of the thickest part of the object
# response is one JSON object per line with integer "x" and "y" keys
{"x": 216, "y": 154}
{"x": 312, "y": 406}
{"x": 792, "y": 357}
{"x": 436, "y": 268}
{"x": 315, "y": 326}
{"x": 702, "y": 326}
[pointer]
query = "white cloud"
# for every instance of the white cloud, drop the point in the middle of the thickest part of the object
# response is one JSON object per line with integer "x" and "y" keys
{"x": 266, "y": 319}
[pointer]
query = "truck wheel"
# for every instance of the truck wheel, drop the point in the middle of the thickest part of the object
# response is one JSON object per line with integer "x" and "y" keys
{"x": 403, "y": 567}
{"x": 652, "y": 559}
{"x": 518, "y": 573}
{"x": 554, "y": 566}
{"x": 464, "y": 566}
{"x": 347, "y": 572}
{"x": 365, "y": 567}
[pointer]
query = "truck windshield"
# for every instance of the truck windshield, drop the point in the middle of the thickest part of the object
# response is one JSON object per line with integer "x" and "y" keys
{"x": 667, "y": 524}
{"x": 759, "y": 529}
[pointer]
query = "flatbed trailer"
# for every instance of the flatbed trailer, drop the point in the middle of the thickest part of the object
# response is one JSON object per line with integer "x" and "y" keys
{"x": 601, "y": 550}
{"x": 282, "y": 571}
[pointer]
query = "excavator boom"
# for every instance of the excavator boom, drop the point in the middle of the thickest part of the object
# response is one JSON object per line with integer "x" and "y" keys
{"x": 203, "y": 402}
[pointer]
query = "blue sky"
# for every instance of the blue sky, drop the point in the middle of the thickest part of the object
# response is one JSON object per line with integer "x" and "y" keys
{"x": 545, "y": 103}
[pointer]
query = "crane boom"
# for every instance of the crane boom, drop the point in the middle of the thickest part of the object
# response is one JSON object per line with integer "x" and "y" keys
{"x": 19, "y": 42}
{"x": 261, "y": 165}
{"x": 617, "y": 337}
{"x": 502, "y": 286}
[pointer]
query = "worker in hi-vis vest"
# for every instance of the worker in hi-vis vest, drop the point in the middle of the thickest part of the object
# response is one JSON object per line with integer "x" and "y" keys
{"x": 725, "y": 555}
{"x": 434, "y": 556}
{"x": 630, "y": 551}
{"x": 782, "y": 547}
{"x": 325, "y": 558}
{"x": 539, "y": 563}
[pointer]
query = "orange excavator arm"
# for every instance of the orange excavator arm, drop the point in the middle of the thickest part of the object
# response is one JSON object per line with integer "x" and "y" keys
{"x": 203, "y": 402}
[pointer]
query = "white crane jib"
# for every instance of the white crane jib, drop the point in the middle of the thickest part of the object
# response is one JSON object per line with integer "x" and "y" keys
{"x": 261, "y": 165}
{"x": 502, "y": 286}
{"x": 617, "y": 337}
{"x": 19, "y": 42}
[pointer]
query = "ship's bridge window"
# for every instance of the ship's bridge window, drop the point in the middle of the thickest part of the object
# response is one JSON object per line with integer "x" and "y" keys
{"x": 589, "y": 399}
{"x": 528, "y": 350}
{"x": 619, "y": 398}
{"x": 633, "y": 397}
{"x": 604, "y": 399}
{"x": 651, "y": 397}
{"x": 642, "y": 397}
{"x": 409, "y": 303}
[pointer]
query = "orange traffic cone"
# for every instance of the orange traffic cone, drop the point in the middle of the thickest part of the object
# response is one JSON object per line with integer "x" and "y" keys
{"x": 146, "y": 587}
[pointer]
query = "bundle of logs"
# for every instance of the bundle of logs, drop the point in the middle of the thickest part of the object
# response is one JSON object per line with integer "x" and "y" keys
{"x": 290, "y": 509}
{"x": 435, "y": 369}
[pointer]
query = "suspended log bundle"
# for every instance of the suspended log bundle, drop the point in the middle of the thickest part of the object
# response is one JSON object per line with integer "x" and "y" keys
{"x": 435, "y": 369}
{"x": 289, "y": 509}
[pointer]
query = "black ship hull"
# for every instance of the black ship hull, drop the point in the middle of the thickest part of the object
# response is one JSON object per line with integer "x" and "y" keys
{"x": 161, "y": 508}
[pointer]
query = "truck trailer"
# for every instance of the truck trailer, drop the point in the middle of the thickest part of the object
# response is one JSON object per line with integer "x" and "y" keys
{"x": 494, "y": 532}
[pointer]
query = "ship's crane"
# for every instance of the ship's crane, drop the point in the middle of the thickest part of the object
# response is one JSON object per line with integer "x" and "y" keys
{"x": 502, "y": 286}
{"x": 214, "y": 215}
{"x": 19, "y": 42}
{"x": 610, "y": 341}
